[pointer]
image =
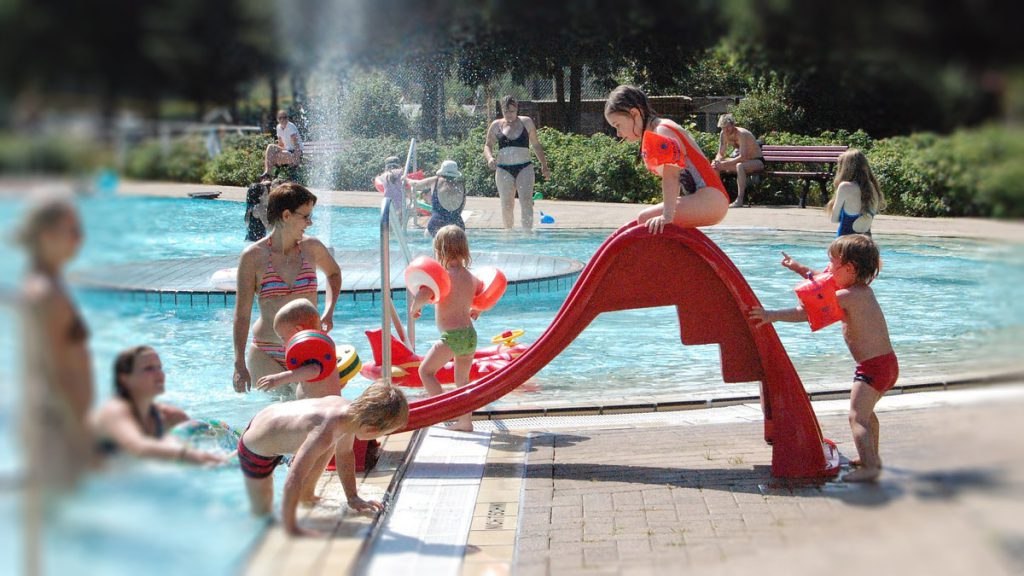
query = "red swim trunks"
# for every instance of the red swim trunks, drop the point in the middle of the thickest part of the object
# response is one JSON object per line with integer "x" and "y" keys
{"x": 879, "y": 372}
{"x": 254, "y": 465}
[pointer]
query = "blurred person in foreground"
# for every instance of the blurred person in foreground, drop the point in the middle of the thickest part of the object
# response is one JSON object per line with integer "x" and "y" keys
{"x": 59, "y": 388}
{"x": 57, "y": 370}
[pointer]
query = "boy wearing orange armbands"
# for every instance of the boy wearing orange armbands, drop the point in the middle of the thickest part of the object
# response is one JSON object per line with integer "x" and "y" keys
{"x": 854, "y": 263}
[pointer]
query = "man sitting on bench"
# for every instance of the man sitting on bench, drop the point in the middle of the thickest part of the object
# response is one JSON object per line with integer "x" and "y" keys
{"x": 747, "y": 160}
{"x": 287, "y": 151}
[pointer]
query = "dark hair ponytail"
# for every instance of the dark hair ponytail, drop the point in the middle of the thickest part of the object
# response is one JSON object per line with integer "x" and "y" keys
{"x": 624, "y": 98}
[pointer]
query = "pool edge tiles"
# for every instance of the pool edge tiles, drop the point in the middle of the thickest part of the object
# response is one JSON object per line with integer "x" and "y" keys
{"x": 277, "y": 553}
{"x": 430, "y": 520}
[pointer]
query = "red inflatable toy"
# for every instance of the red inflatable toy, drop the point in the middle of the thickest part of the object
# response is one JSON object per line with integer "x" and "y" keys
{"x": 312, "y": 346}
{"x": 492, "y": 288}
{"x": 818, "y": 297}
{"x": 405, "y": 364}
{"x": 425, "y": 271}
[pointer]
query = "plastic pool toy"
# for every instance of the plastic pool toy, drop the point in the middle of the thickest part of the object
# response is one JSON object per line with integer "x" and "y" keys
{"x": 405, "y": 363}
{"x": 208, "y": 435}
{"x": 224, "y": 279}
{"x": 349, "y": 363}
{"x": 546, "y": 218}
{"x": 312, "y": 347}
{"x": 658, "y": 150}
{"x": 508, "y": 337}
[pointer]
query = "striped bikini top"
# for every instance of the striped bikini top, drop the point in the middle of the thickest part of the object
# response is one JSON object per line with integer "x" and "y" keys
{"x": 273, "y": 285}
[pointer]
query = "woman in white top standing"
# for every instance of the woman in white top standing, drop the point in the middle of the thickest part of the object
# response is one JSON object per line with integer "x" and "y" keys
{"x": 858, "y": 197}
{"x": 288, "y": 149}
{"x": 513, "y": 168}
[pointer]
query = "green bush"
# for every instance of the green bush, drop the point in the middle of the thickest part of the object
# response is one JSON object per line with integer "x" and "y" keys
{"x": 597, "y": 168}
{"x": 180, "y": 160}
{"x": 973, "y": 172}
{"x": 372, "y": 109}
{"x": 969, "y": 173}
{"x": 469, "y": 153}
{"x": 240, "y": 162}
{"x": 363, "y": 158}
{"x": 21, "y": 154}
{"x": 768, "y": 107}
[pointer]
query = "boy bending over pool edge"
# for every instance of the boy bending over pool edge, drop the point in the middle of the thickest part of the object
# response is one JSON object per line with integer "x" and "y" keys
{"x": 311, "y": 429}
{"x": 854, "y": 263}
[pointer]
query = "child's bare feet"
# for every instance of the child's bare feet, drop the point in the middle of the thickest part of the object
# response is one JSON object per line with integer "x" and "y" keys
{"x": 309, "y": 500}
{"x": 856, "y": 463}
{"x": 862, "y": 475}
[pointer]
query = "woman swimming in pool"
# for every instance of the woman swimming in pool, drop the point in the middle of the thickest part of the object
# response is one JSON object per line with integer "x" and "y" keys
{"x": 274, "y": 271}
{"x": 133, "y": 421}
{"x": 693, "y": 194}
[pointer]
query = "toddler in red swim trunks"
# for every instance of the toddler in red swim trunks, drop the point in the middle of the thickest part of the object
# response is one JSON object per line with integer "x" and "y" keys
{"x": 854, "y": 262}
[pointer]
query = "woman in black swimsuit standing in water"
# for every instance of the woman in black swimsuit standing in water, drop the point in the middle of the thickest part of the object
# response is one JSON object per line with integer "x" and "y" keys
{"x": 512, "y": 164}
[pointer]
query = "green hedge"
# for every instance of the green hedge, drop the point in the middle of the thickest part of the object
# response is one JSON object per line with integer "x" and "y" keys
{"x": 21, "y": 154}
{"x": 180, "y": 160}
{"x": 969, "y": 173}
{"x": 240, "y": 162}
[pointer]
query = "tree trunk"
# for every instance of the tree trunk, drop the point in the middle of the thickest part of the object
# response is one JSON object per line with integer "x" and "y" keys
{"x": 489, "y": 100}
{"x": 273, "y": 101}
{"x": 560, "y": 98}
{"x": 298, "y": 92}
{"x": 442, "y": 105}
{"x": 575, "y": 98}
{"x": 429, "y": 78}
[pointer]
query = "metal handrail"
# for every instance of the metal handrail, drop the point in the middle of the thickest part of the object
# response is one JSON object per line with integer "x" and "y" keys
{"x": 387, "y": 304}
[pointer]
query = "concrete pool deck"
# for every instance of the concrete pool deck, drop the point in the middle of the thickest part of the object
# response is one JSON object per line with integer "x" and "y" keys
{"x": 486, "y": 213}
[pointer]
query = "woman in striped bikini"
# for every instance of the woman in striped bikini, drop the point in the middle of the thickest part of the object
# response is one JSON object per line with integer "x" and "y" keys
{"x": 275, "y": 271}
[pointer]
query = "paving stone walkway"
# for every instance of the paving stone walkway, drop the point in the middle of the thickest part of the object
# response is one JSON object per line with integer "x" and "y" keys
{"x": 700, "y": 499}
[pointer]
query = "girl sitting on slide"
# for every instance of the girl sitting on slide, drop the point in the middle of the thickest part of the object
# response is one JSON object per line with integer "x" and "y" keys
{"x": 693, "y": 194}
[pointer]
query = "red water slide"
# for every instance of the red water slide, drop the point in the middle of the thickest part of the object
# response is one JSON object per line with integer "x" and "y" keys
{"x": 683, "y": 268}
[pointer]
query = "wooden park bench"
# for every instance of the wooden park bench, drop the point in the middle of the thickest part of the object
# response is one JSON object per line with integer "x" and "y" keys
{"x": 807, "y": 163}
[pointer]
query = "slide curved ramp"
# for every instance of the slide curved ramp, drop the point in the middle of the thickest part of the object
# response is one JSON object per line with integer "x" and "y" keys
{"x": 680, "y": 267}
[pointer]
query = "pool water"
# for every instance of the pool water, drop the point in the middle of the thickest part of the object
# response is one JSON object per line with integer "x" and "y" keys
{"x": 951, "y": 306}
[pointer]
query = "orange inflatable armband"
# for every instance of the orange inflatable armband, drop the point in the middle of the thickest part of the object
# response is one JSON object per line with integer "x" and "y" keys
{"x": 658, "y": 150}
{"x": 424, "y": 271}
{"x": 818, "y": 297}
{"x": 492, "y": 287}
{"x": 312, "y": 347}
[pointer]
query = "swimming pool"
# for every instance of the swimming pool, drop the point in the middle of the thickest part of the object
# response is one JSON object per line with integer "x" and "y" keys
{"x": 951, "y": 305}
